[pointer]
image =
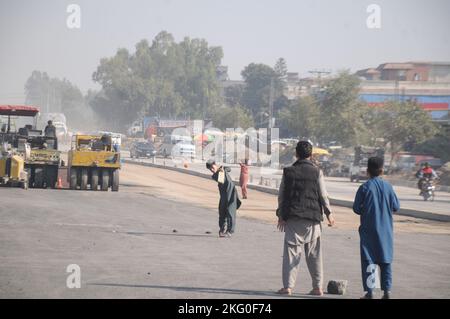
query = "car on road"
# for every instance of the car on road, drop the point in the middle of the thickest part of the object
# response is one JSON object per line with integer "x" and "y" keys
{"x": 177, "y": 146}
{"x": 142, "y": 149}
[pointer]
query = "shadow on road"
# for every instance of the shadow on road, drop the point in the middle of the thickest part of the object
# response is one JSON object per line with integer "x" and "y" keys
{"x": 138, "y": 233}
{"x": 212, "y": 290}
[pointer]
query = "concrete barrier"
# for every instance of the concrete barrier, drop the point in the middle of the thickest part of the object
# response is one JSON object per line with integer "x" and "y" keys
{"x": 274, "y": 191}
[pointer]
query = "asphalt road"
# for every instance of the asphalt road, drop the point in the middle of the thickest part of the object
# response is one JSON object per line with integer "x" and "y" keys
{"x": 139, "y": 243}
{"x": 338, "y": 187}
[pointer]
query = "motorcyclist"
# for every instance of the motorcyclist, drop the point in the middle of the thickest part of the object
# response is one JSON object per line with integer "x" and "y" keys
{"x": 426, "y": 172}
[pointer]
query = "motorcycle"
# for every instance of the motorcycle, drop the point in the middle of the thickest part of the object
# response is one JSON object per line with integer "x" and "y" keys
{"x": 428, "y": 189}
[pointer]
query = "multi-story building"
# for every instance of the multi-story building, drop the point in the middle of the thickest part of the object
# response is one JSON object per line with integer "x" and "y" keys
{"x": 427, "y": 83}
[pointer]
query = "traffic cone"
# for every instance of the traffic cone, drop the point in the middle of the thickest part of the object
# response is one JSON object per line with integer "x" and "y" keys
{"x": 59, "y": 183}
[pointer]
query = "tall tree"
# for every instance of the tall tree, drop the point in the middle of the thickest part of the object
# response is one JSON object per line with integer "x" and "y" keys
{"x": 300, "y": 118}
{"x": 165, "y": 79}
{"x": 54, "y": 95}
{"x": 343, "y": 116}
{"x": 401, "y": 123}
{"x": 233, "y": 95}
{"x": 232, "y": 117}
{"x": 281, "y": 69}
{"x": 258, "y": 79}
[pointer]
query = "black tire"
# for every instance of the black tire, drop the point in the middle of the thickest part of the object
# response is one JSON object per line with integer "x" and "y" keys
{"x": 73, "y": 178}
{"x": 115, "y": 181}
{"x": 94, "y": 179}
{"x": 51, "y": 176}
{"x": 105, "y": 180}
{"x": 84, "y": 179}
{"x": 37, "y": 177}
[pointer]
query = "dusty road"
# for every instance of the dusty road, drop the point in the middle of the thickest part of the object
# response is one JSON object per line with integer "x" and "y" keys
{"x": 338, "y": 187}
{"x": 157, "y": 238}
{"x": 260, "y": 206}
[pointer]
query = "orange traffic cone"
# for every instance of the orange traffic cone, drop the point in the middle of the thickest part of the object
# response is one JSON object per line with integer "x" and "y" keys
{"x": 59, "y": 183}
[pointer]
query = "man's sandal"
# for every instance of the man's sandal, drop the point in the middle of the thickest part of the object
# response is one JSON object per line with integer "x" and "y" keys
{"x": 316, "y": 292}
{"x": 285, "y": 291}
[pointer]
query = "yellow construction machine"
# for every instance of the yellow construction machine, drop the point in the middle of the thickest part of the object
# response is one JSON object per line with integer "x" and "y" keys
{"x": 38, "y": 152}
{"x": 12, "y": 170}
{"x": 94, "y": 161}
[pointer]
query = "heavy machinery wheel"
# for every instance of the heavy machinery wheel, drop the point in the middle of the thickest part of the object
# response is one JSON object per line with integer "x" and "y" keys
{"x": 94, "y": 179}
{"x": 51, "y": 176}
{"x": 105, "y": 180}
{"x": 73, "y": 178}
{"x": 115, "y": 181}
{"x": 38, "y": 177}
{"x": 84, "y": 179}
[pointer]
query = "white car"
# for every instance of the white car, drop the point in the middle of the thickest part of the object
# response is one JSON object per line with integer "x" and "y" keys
{"x": 177, "y": 146}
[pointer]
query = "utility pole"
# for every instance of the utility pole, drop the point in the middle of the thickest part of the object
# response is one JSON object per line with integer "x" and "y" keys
{"x": 271, "y": 98}
{"x": 318, "y": 73}
{"x": 269, "y": 131}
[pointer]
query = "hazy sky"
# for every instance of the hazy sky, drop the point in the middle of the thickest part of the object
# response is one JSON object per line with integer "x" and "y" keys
{"x": 309, "y": 34}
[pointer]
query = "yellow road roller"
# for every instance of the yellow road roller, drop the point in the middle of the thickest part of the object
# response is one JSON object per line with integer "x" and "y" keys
{"x": 93, "y": 163}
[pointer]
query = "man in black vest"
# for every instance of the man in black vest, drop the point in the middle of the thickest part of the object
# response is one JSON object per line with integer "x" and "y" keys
{"x": 302, "y": 200}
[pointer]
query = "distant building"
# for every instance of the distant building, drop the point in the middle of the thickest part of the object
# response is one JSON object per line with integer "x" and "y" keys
{"x": 292, "y": 88}
{"x": 222, "y": 73}
{"x": 427, "y": 83}
{"x": 408, "y": 71}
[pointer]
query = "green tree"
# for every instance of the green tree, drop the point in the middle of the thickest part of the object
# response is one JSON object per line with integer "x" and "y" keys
{"x": 165, "y": 79}
{"x": 256, "y": 94}
{"x": 400, "y": 123}
{"x": 343, "y": 116}
{"x": 233, "y": 95}
{"x": 300, "y": 118}
{"x": 438, "y": 146}
{"x": 54, "y": 95}
{"x": 232, "y": 117}
{"x": 280, "y": 69}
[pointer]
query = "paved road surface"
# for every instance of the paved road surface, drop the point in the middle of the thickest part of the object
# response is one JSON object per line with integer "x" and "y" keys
{"x": 126, "y": 246}
{"x": 338, "y": 188}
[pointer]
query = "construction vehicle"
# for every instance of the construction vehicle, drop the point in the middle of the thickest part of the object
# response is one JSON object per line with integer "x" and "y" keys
{"x": 39, "y": 153}
{"x": 93, "y": 161}
{"x": 12, "y": 169}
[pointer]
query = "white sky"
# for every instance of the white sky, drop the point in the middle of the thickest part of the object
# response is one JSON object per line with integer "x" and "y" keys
{"x": 309, "y": 34}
